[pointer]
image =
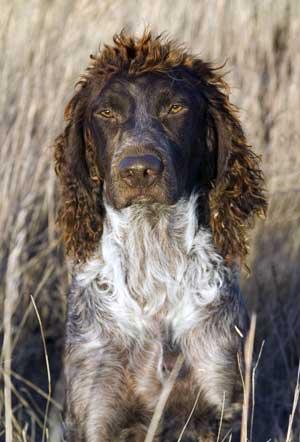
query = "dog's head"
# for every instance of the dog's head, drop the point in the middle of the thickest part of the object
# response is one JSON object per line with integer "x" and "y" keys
{"x": 146, "y": 132}
{"x": 151, "y": 123}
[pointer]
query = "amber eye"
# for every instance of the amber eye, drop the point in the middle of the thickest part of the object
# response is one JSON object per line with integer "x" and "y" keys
{"x": 106, "y": 113}
{"x": 175, "y": 108}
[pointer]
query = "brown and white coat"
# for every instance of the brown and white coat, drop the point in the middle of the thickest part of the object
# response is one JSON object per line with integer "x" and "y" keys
{"x": 155, "y": 272}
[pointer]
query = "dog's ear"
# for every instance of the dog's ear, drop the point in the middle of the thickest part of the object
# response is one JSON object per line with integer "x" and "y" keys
{"x": 81, "y": 210}
{"x": 237, "y": 195}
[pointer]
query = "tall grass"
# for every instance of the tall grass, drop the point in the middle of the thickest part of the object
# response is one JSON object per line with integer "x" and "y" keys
{"x": 44, "y": 46}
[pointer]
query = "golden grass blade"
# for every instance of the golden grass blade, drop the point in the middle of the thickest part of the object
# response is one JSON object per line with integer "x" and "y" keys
{"x": 28, "y": 310}
{"x": 253, "y": 390}
{"x": 6, "y": 352}
{"x": 247, "y": 385}
{"x": 222, "y": 415}
{"x": 190, "y": 416}
{"x": 163, "y": 399}
{"x": 10, "y": 305}
{"x": 48, "y": 369}
{"x": 289, "y": 436}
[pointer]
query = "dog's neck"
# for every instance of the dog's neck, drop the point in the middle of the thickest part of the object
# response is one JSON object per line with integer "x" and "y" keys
{"x": 153, "y": 240}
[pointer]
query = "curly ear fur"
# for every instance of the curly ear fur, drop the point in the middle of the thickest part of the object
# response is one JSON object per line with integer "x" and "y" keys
{"x": 237, "y": 195}
{"x": 80, "y": 214}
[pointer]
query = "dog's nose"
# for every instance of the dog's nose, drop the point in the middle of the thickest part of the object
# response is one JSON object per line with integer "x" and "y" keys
{"x": 140, "y": 170}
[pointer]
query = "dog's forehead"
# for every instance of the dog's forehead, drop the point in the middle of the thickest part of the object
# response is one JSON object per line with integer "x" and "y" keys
{"x": 146, "y": 85}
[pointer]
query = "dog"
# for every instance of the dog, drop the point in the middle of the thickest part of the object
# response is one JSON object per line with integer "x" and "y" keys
{"x": 158, "y": 190}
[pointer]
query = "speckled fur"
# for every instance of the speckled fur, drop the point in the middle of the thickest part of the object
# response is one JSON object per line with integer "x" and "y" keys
{"x": 154, "y": 288}
{"x": 151, "y": 282}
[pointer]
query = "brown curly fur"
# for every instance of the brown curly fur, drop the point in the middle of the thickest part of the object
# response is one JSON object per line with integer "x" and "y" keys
{"x": 237, "y": 191}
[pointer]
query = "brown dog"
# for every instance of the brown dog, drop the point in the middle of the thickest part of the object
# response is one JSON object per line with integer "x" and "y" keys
{"x": 158, "y": 186}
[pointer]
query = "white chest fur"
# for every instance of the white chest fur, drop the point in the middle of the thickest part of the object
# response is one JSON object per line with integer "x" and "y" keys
{"x": 155, "y": 268}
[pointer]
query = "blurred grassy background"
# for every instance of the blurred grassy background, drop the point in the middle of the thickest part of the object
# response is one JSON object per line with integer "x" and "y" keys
{"x": 44, "y": 46}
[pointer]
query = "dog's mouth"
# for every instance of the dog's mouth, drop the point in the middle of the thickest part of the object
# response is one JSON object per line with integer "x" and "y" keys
{"x": 161, "y": 192}
{"x": 149, "y": 196}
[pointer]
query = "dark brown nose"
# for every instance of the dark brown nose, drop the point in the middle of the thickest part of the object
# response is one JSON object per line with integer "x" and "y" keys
{"x": 140, "y": 170}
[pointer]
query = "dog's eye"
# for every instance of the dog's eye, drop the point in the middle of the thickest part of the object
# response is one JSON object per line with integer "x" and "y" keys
{"x": 175, "y": 108}
{"x": 105, "y": 113}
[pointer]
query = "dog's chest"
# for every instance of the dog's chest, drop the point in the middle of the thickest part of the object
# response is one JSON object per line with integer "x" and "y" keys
{"x": 152, "y": 282}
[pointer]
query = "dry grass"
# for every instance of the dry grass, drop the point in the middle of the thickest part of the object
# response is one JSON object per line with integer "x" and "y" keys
{"x": 44, "y": 46}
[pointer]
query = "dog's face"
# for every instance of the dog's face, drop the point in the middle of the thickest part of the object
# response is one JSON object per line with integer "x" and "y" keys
{"x": 147, "y": 134}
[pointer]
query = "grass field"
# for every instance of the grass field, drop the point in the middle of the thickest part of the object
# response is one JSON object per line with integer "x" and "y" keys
{"x": 44, "y": 46}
